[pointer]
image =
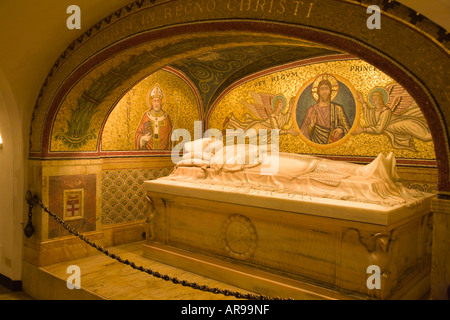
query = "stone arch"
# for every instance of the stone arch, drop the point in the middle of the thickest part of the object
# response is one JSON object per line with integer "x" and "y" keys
{"x": 11, "y": 158}
{"x": 164, "y": 26}
{"x": 175, "y": 74}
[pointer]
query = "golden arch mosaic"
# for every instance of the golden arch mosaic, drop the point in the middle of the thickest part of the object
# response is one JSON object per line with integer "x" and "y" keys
{"x": 393, "y": 125}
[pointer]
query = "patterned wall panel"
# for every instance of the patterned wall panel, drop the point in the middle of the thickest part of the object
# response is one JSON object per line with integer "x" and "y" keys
{"x": 421, "y": 179}
{"x": 123, "y": 197}
{"x": 423, "y": 187}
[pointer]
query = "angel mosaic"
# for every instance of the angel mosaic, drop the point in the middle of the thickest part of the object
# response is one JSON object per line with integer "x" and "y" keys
{"x": 268, "y": 111}
{"x": 393, "y": 112}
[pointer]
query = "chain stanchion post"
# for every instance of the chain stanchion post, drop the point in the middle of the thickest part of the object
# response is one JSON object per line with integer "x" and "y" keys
{"x": 29, "y": 229}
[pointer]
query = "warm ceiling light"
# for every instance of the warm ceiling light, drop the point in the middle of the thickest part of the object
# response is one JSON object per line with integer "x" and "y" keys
{"x": 1, "y": 141}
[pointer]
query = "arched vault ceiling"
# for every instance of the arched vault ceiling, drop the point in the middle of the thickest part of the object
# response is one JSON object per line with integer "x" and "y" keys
{"x": 101, "y": 65}
{"x": 212, "y": 62}
{"x": 214, "y": 71}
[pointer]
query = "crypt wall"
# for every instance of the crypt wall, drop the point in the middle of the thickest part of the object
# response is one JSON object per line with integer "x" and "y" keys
{"x": 83, "y": 133}
{"x": 122, "y": 189}
{"x": 109, "y": 189}
{"x": 125, "y": 64}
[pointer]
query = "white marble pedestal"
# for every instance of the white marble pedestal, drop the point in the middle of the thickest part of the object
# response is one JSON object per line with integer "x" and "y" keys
{"x": 290, "y": 246}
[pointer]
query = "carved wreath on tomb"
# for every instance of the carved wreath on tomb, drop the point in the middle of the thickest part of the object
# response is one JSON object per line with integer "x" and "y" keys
{"x": 239, "y": 236}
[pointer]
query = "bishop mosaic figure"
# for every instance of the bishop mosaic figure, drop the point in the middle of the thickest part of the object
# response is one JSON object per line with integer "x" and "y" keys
{"x": 155, "y": 128}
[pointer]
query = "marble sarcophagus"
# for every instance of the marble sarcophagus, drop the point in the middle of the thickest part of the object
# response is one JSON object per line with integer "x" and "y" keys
{"x": 317, "y": 229}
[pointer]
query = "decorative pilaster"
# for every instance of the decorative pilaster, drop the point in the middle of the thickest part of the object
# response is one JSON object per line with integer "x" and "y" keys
{"x": 440, "y": 263}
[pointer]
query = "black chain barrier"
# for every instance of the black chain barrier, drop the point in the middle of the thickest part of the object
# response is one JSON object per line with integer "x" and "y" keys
{"x": 32, "y": 200}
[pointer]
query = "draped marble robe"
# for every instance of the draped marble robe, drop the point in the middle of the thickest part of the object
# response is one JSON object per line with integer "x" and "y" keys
{"x": 240, "y": 166}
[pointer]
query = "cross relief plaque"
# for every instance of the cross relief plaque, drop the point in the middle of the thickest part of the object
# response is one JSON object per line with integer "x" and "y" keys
{"x": 73, "y": 204}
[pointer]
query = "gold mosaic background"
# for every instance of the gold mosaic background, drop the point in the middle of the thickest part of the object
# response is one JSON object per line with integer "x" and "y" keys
{"x": 86, "y": 105}
{"x": 289, "y": 82}
{"x": 181, "y": 106}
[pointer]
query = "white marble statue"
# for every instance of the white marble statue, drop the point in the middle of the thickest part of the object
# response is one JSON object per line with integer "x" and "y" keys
{"x": 239, "y": 166}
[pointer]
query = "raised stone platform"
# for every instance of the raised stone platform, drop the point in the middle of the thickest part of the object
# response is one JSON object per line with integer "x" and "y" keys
{"x": 290, "y": 246}
{"x": 103, "y": 278}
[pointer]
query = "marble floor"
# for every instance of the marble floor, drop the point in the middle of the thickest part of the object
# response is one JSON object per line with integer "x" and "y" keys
{"x": 112, "y": 280}
{"x": 6, "y": 294}
{"x": 108, "y": 279}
